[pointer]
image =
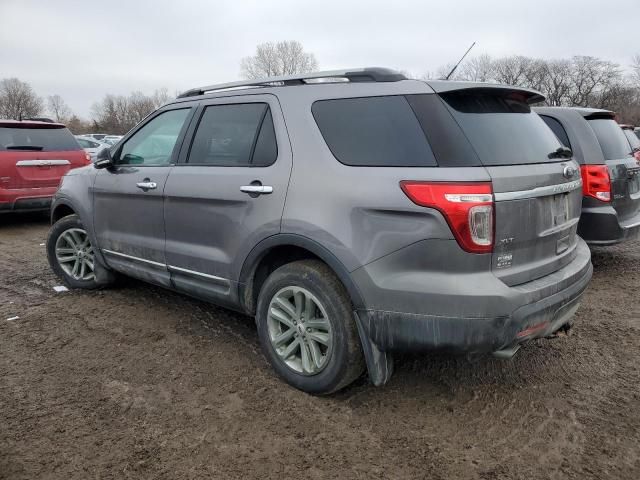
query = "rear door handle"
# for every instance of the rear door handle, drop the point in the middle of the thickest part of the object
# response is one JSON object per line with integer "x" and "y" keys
{"x": 146, "y": 185}
{"x": 257, "y": 189}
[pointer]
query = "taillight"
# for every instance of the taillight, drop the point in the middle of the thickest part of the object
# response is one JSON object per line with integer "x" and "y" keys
{"x": 87, "y": 158}
{"x": 596, "y": 182}
{"x": 467, "y": 207}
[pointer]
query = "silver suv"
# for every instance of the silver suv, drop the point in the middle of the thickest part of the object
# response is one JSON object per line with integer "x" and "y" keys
{"x": 354, "y": 213}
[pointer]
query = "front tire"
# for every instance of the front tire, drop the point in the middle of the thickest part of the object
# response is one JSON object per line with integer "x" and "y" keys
{"x": 71, "y": 256}
{"x": 307, "y": 330}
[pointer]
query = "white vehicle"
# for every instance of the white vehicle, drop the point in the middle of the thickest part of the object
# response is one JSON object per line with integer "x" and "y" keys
{"x": 96, "y": 136}
{"x": 111, "y": 139}
{"x": 91, "y": 146}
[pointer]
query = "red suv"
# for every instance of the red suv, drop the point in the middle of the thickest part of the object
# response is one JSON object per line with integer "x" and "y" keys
{"x": 33, "y": 158}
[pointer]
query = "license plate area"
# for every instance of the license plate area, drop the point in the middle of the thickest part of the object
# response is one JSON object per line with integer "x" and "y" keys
{"x": 559, "y": 209}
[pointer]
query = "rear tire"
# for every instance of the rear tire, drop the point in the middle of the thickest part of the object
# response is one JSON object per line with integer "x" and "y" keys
{"x": 72, "y": 258}
{"x": 307, "y": 330}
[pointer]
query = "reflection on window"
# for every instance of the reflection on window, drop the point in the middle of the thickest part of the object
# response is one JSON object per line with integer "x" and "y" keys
{"x": 153, "y": 144}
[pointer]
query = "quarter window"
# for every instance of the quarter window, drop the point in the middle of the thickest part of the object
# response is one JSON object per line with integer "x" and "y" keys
{"x": 239, "y": 135}
{"x": 557, "y": 128}
{"x": 373, "y": 131}
{"x": 154, "y": 143}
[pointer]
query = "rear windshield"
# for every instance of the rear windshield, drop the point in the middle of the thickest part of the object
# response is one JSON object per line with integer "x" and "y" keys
{"x": 501, "y": 127}
{"x": 634, "y": 141}
{"x": 50, "y": 139}
{"x": 613, "y": 142}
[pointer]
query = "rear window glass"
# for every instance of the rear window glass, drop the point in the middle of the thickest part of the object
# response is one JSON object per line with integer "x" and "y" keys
{"x": 633, "y": 139}
{"x": 501, "y": 127}
{"x": 237, "y": 135}
{"x": 373, "y": 131}
{"x": 557, "y": 128}
{"x": 612, "y": 140}
{"x": 50, "y": 139}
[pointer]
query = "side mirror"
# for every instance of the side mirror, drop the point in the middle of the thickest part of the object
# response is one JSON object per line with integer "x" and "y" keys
{"x": 104, "y": 159}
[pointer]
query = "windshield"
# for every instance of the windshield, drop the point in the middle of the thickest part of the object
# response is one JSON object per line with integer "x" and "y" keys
{"x": 502, "y": 128}
{"x": 46, "y": 139}
{"x": 612, "y": 140}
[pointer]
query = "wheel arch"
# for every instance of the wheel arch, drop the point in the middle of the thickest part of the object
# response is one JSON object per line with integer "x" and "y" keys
{"x": 288, "y": 247}
{"x": 61, "y": 209}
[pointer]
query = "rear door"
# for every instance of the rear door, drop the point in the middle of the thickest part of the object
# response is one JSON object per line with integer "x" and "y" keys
{"x": 37, "y": 156}
{"x": 226, "y": 194}
{"x": 623, "y": 167}
{"x": 537, "y": 190}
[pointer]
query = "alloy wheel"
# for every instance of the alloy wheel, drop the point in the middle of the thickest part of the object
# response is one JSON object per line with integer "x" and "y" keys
{"x": 299, "y": 330}
{"x": 74, "y": 254}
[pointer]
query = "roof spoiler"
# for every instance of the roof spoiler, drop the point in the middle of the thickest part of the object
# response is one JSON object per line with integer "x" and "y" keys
{"x": 529, "y": 95}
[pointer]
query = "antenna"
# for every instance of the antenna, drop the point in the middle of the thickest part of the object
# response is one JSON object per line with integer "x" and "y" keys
{"x": 460, "y": 61}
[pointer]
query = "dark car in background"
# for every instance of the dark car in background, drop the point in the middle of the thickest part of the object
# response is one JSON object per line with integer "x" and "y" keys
{"x": 634, "y": 141}
{"x": 34, "y": 155}
{"x": 610, "y": 173}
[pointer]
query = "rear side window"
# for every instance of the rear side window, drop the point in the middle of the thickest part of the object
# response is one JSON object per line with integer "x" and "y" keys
{"x": 501, "y": 126}
{"x": 373, "y": 131}
{"x": 557, "y": 128}
{"x": 239, "y": 135}
{"x": 633, "y": 139}
{"x": 612, "y": 140}
{"x": 38, "y": 139}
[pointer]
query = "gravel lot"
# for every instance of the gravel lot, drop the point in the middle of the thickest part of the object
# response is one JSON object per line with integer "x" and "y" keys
{"x": 137, "y": 382}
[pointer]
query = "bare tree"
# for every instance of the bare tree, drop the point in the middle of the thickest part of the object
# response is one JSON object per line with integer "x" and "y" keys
{"x": 512, "y": 70}
{"x": 635, "y": 66}
{"x": 556, "y": 83}
{"x": 58, "y": 108}
{"x": 77, "y": 125}
{"x": 119, "y": 113}
{"x": 18, "y": 100}
{"x": 160, "y": 97}
{"x": 589, "y": 76}
{"x": 477, "y": 69}
{"x": 281, "y": 58}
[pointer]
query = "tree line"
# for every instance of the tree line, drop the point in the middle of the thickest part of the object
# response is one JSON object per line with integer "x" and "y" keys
{"x": 115, "y": 114}
{"x": 578, "y": 81}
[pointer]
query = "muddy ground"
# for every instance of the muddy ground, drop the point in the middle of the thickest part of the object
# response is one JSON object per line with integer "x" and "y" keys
{"x": 137, "y": 382}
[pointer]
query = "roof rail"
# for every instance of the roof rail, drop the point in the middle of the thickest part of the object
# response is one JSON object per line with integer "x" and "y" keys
{"x": 373, "y": 74}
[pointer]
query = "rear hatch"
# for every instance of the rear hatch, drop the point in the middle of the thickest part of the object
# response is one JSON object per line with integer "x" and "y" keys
{"x": 624, "y": 170}
{"x": 536, "y": 184}
{"x": 37, "y": 155}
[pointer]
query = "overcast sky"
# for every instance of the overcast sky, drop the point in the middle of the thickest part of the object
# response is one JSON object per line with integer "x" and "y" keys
{"x": 84, "y": 49}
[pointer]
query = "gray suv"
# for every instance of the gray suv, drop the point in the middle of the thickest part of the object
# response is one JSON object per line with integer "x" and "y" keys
{"x": 354, "y": 213}
{"x": 611, "y": 175}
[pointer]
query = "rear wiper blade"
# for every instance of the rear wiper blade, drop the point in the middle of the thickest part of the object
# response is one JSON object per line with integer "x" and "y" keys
{"x": 24, "y": 147}
{"x": 561, "y": 152}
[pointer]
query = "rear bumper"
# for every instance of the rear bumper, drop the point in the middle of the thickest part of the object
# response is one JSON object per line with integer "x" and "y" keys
{"x": 600, "y": 225}
{"x": 541, "y": 308}
{"x": 26, "y": 199}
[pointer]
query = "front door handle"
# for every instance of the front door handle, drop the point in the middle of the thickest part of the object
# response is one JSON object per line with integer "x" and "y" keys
{"x": 257, "y": 189}
{"x": 147, "y": 185}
